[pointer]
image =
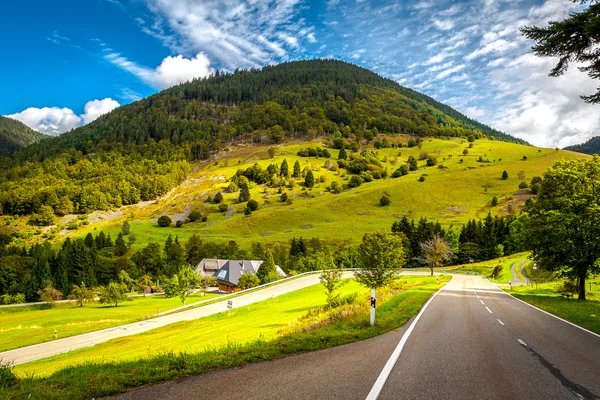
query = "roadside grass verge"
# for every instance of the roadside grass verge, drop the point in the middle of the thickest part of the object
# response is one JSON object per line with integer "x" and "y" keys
{"x": 24, "y": 326}
{"x": 486, "y": 268}
{"x": 547, "y": 297}
{"x": 104, "y": 377}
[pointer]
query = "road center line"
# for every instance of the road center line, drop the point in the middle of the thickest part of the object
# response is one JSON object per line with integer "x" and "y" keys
{"x": 500, "y": 322}
{"x": 482, "y": 302}
{"x": 389, "y": 365}
{"x": 522, "y": 342}
{"x": 488, "y": 309}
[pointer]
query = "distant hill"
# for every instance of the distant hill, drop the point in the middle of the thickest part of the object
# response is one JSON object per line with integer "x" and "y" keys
{"x": 14, "y": 135}
{"x": 141, "y": 150}
{"x": 592, "y": 146}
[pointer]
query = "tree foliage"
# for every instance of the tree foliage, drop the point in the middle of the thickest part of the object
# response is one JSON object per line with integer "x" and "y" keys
{"x": 381, "y": 256}
{"x": 563, "y": 229}
{"x": 435, "y": 252}
{"x": 114, "y": 293}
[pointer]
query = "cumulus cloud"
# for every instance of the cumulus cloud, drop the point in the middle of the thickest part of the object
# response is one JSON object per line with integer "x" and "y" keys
{"x": 95, "y": 108}
{"x": 171, "y": 71}
{"x": 55, "y": 120}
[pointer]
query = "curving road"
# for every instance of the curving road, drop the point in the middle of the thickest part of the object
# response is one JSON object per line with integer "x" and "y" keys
{"x": 471, "y": 341}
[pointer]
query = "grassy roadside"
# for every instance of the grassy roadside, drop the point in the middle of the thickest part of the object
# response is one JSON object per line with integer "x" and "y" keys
{"x": 24, "y": 326}
{"x": 486, "y": 268}
{"x": 103, "y": 377}
{"x": 547, "y": 297}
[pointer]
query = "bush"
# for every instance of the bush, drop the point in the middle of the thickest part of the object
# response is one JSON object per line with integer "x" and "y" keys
{"x": 411, "y": 143}
{"x": 283, "y": 197}
{"x": 195, "y": 216}
{"x": 247, "y": 281}
{"x": 223, "y": 207}
{"x": 497, "y": 270}
{"x": 524, "y": 158}
{"x": 470, "y": 138}
{"x": 504, "y": 175}
{"x": 355, "y": 181}
{"x": 218, "y": 198}
{"x": 179, "y": 223}
{"x": 421, "y": 178}
{"x": 494, "y": 201}
{"x": 401, "y": 171}
{"x": 44, "y": 217}
{"x": 523, "y": 185}
{"x": 7, "y": 376}
{"x": 247, "y": 211}
{"x": 252, "y": 205}
{"x": 209, "y": 199}
{"x": 465, "y": 152}
{"x": 385, "y": 201}
{"x": 164, "y": 221}
{"x": 431, "y": 161}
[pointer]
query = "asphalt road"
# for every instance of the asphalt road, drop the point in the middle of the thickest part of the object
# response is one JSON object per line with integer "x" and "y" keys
{"x": 513, "y": 269}
{"x": 472, "y": 341}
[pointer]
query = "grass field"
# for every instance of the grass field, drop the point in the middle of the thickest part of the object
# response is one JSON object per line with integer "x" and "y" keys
{"x": 260, "y": 336}
{"x": 24, "y": 326}
{"x": 263, "y": 320}
{"x": 460, "y": 191}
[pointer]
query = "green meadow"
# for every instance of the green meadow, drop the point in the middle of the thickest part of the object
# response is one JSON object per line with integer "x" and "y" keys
{"x": 24, "y": 326}
{"x": 461, "y": 190}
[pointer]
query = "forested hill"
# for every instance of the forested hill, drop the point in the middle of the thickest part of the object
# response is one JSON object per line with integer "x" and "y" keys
{"x": 592, "y": 146}
{"x": 303, "y": 97}
{"x": 15, "y": 135}
{"x": 140, "y": 151}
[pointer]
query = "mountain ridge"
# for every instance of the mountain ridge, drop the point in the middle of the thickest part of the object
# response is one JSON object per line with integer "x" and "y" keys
{"x": 15, "y": 135}
{"x": 591, "y": 146}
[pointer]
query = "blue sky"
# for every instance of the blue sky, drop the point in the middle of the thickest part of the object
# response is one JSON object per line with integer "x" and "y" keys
{"x": 67, "y": 62}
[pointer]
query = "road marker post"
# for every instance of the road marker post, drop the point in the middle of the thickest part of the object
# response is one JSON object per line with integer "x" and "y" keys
{"x": 373, "y": 303}
{"x": 229, "y": 307}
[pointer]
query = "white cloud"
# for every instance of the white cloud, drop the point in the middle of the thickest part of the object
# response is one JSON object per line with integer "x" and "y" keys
{"x": 172, "y": 70}
{"x": 55, "y": 120}
{"x": 474, "y": 112}
{"x": 497, "y": 46}
{"x": 449, "y": 71}
{"x": 227, "y": 32}
{"x": 443, "y": 25}
{"x": 311, "y": 38}
{"x": 95, "y": 108}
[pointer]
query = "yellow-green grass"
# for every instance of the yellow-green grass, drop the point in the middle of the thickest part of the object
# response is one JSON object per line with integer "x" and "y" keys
{"x": 547, "y": 297}
{"x": 486, "y": 268}
{"x": 24, "y": 326}
{"x": 107, "y": 378}
{"x": 452, "y": 195}
{"x": 262, "y": 320}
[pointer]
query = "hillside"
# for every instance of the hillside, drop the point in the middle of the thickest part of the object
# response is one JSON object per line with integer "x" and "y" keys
{"x": 592, "y": 146}
{"x": 140, "y": 151}
{"x": 14, "y": 135}
{"x": 458, "y": 188}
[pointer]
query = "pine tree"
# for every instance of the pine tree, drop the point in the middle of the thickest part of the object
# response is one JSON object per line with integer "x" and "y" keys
{"x": 342, "y": 154}
{"x": 309, "y": 181}
{"x": 120, "y": 246}
{"x": 284, "y": 168}
{"x": 504, "y": 175}
{"x": 267, "y": 271}
{"x": 297, "y": 170}
{"x": 193, "y": 250}
{"x": 125, "y": 228}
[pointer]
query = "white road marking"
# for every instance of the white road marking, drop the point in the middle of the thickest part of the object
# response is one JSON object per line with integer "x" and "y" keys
{"x": 550, "y": 314}
{"x": 482, "y": 302}
{"x": 387, "y": 369}
{"x": 500, "y": 322}
{"x": 488, "y": 309}
{"x": 477, "y": 296}
{"x": 522, "y": 342}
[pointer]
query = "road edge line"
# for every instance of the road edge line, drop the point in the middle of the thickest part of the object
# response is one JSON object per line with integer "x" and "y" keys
{"x": 391, "y": 362}
{"x": 550, "y": 314}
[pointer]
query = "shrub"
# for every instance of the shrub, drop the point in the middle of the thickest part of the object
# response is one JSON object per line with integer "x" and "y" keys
{"x": 309, "y": 181}
{"x": 218, "y": 198}
{"x": 209, "y": 199}
{"x": 44, "y": 217}
{"x": 523, "y": 185}
{"x": 247, "y": 281}
{"x": 164, "y": 221}
{"x": 494, "y": 201}
{"x": 195, "y": 216}
{"x": 355, "y": 181}
{"x": 223, "y": 207}
{"x": 524, "y": 158}
{"x": 367, "y": 177}
{"x": 412, "y": 163}
{"x": 504, "y": 175}
{"x": 465, "y": 152}
{"x": 247, "y": 211}
{"x": 385, "y": 201}
{"x": 411, "y": 143}
{"x": 179, "y": 223}
{"x": 322, "y": 178}
{"x": 421, "y": 178}
{"x": 283, "y": 197}
{"x": 7, "y": 376}
{"x": 252, "y": 205}
{"x": 470, "y": 138}
{"x": 204, "y": 218}
{"x": 431, "y": 161}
